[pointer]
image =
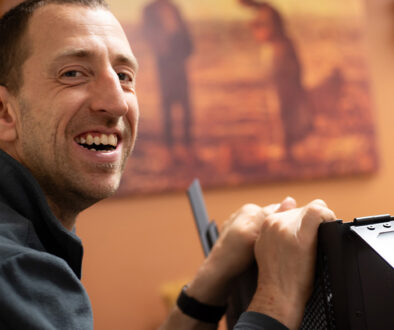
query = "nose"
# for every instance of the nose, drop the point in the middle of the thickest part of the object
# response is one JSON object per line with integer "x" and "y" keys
{"x": 108, "y": 95}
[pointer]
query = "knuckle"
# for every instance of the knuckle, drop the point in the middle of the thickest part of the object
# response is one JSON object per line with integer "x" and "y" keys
{"x": 250, "y": 208}
{"x": 270, "y": 221}
{"x": 314, "y": 210}
{"x": 319, "y": 211}
{"x": 269, "y": 209}
{"x": 330, "y": 215}
{"x": 270, "y": 218}
{"x": 319, "y": 202}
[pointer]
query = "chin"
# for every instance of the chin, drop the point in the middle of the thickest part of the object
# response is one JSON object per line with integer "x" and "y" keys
{"x": 99, "y": 192}
{"x": 105, "y": 192}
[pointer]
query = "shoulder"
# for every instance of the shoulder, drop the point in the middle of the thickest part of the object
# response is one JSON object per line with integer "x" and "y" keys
{"x": 22, "y": 253}
{"x": 40, "y": 291}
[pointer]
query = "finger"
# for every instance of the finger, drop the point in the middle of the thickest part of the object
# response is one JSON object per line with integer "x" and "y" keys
{"x": 269, "y": 209}
{"x": 250, "y": 208}
{"x": 319, "y": 202}
{"x": 329, "y": 215}
{"x": 314, "y": 215}
{"x": 287, "y": 204}
{"x": 244, "y": 209}
{"x": 246, "y": 213}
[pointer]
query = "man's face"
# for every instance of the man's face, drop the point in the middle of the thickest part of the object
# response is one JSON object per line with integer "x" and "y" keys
{"x": 78, "y": 89}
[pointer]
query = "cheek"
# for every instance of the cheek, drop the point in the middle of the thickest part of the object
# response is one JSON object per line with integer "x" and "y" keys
{"x": 66, "y": 114}
{"x": 133, "y": 114}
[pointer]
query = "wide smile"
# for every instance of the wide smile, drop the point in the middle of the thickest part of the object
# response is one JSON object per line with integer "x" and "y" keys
{"x": 99, "y": 147}
{"x": 98, "y": 142}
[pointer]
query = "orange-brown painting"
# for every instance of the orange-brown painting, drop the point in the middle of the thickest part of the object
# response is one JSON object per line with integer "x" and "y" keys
{"x": 242, "y": 91}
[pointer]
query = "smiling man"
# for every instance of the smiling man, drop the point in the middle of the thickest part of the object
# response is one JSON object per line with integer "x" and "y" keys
{"x": 76, "y": 108}
{"x": 68, "y": 123}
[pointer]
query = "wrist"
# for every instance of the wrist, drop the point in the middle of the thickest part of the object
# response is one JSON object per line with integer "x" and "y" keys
{"x": 209, "y": 286}
{"x": 274, "y": 303}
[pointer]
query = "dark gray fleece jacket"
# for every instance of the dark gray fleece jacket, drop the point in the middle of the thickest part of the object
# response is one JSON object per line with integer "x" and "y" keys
{"x": 40, "y": 261}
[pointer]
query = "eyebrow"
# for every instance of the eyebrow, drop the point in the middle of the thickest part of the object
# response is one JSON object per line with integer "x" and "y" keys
{"x": 130, "y": 61}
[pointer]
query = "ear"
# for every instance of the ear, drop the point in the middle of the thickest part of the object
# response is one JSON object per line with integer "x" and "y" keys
{"x": 8, "y": 132}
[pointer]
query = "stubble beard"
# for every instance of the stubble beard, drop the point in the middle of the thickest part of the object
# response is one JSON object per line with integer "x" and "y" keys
{"x": 67, "y": 192}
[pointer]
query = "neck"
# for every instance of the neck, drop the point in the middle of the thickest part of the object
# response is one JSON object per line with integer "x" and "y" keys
{"x": 67, "y": 217}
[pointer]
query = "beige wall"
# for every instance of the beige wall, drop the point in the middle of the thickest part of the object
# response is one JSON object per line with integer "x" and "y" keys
{"x": 134, "y": 245}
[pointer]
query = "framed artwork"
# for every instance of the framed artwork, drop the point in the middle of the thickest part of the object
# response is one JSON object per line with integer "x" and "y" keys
{"x": 242, "y": 91}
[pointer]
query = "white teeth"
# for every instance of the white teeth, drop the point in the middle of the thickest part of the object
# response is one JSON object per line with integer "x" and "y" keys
{"x": 89, "y": 140}
{"x": 104, "y": 139}
{"x": 112, "y": 140}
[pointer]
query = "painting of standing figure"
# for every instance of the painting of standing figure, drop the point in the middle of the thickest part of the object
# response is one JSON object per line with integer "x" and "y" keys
{"x": 248, "y": 91}
{"x": 167, "y": 34}
{"x": 285, "y": 72}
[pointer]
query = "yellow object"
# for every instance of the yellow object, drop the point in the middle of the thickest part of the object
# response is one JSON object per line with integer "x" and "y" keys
{"x": 169, "y": 292}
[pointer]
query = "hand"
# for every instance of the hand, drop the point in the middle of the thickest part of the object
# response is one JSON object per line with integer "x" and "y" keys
{"x": 233, "y": 252}
{"x": 285, "y": 253}
{"x": 231, "y": 255}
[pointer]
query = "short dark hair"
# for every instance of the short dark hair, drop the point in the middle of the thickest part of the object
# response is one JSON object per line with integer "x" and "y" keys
{"x": 14, "y": 46}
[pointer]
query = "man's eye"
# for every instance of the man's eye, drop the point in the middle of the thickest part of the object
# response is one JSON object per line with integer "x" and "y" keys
{"x": 72, "y": 74}
{"x": 124, "y": 76}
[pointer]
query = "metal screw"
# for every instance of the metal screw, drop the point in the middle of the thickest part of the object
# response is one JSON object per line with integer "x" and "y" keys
{"x": 387, "y": 225}
{"x": 371, "y": 227}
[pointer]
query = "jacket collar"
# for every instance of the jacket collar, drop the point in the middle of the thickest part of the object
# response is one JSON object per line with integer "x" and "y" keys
{"x": 20, "y": 190}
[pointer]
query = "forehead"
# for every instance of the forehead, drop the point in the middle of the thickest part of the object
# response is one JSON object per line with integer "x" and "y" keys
{"x": 55, "y": 29}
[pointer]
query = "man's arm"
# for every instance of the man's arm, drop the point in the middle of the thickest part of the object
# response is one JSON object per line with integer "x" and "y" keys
{"x": 40, "y": 291}
{"x": 232, "y": 254}
{"x": 285, "y": 250}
